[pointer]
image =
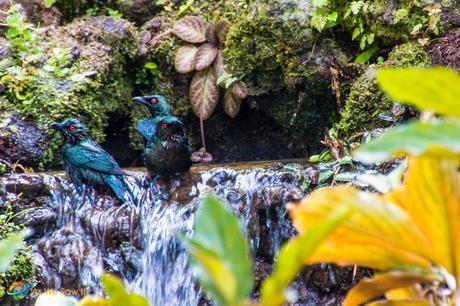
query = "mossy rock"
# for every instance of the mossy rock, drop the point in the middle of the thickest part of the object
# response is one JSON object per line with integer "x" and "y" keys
{"x": 97, "y": 87}
{"x": 22, "y": 267}
{"x": 366, "y": 100}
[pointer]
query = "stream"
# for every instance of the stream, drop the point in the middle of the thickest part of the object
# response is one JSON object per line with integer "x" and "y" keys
{"x": 77, "y": 236}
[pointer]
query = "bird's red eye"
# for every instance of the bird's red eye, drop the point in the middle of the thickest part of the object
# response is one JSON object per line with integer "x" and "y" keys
{"x": 154, "y": 101}
{"x": 72, "y": 128}
{"x": 164, "y": 125}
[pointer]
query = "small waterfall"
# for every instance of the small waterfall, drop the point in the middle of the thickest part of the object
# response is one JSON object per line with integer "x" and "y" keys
{"x": 90, "y": 233}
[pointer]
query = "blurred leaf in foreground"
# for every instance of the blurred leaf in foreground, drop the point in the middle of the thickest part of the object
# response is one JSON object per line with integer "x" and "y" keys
{"x": 293, "y": 255}
{"x": 413, "y": 228}
{"x": 220, "y": 255}
{"x": 434, "y": 89}
{"x": 9, "y": 247}
{"x": 437, "y": 139}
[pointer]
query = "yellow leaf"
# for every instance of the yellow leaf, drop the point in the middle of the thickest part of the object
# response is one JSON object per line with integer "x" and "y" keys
{"x": 370, "y": 289}
{"x": 93, "y": 301}
{"x": 418, "y": 302}
{"x": 379, "y": 235}
{"x": 432, "y": 197}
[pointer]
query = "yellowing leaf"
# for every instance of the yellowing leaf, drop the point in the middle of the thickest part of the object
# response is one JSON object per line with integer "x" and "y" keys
{"x": 205, "y": 56}
{"x": 386, "y": 230}
{"x": 192, "y": 29}
{"x": 434, "y": 89}
{"x": 293, "y": 254}
{"x": 185, "y": 59}
{"x": 414, "y": 302}
{"x": 204, "y": 93}
{"x": 370, "y": 289}
{"x": 432, "y": 197}
{"x": 220, "y": 254}
{"x": 118, "y": 295}
{"x": 93, "y": 301}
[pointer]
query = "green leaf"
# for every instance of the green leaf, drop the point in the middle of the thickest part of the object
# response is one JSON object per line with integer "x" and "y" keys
{"x": 439, "y": 139}
{"x": 355, "y": 34}
{"x": 435, "y": 89}
{"x": 9, "y": 247}
{"x": 365, "y": 55}
{"x": 118, "y": 295}
{"x": 49, "y": 3}
{"x": 293, "y": 255}
{"x": 220, "y": 254}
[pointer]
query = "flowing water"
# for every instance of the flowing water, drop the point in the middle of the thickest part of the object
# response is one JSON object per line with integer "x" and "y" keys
{"x": 91, "y": 233}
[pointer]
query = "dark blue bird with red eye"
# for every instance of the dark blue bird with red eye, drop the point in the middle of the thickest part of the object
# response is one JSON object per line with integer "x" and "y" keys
{"x": 168, "y": 153}
{"x": 158, "y": 108}
{"x": 88, "y": 163}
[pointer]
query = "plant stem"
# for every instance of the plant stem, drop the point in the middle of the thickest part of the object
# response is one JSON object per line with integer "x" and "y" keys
{"x": 203, "y": 142}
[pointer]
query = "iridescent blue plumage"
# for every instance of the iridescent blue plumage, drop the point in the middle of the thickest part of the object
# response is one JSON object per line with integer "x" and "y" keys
{"x": 88, "y": 163}
{"x": 159, "y": 108}
{"x": 169, "y": 152}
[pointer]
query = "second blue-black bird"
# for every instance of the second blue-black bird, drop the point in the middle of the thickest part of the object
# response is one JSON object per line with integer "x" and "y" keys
{"x": 88, "y": 163}
{"x": 158, "y": 108}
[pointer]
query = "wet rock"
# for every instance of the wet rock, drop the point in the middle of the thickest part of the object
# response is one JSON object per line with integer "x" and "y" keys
{"x": 21, "y": 141}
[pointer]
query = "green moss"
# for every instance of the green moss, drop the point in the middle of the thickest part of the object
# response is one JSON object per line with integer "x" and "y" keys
{"x": 23, "y": 267}
{"x": 366, "y": 101}
{"x": 97, "y": 85}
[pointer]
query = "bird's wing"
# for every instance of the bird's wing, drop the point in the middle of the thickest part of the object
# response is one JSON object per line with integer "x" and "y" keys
{"x": 147, "y": 128}
{"x": 91, "y": 156}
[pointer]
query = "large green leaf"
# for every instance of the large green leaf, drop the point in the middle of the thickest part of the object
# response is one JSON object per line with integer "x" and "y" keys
{"x": 9, "y": 247}
{"x": 220, "y": 254}
{"x": 440, "y": 139}
{"x": 435, "y": 89}
{"x": 49, "y": 3}
{"x": 118, "y": 295}
{"x": 293, "y": 255}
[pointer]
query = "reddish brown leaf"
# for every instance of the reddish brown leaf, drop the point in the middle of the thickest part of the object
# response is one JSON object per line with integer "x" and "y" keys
{"x": 232, "y": 103}
{"x": 185, "y": 59}
{"x": 240, "y": 90}
{"x": 191, "y": 29}
{"x": 205, "y": 56}
{"x": 204, "y": 93}
{"x": 219, "y": 64}
{"x": 221, "y": 29}
{"x": 211, "y": 35}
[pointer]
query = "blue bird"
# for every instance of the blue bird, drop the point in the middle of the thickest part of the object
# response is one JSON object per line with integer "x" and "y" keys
{"x": 88, "y": 163}
{"x": 159, "y": 108}
{"x": 168, "y": 153}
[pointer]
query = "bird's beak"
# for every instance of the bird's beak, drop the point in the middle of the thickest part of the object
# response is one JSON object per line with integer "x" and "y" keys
{"x": 56, "y": 126}
{"x": 139, "y": 100}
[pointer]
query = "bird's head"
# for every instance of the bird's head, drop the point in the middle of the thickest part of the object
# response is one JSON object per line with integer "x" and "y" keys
{"x": 157, "y": 105}
{"x": 72, "y": 129}
{"x": 170, "y": 131}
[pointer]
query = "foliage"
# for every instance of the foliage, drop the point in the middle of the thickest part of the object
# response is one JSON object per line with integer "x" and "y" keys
{"x": 220, "y": 256}
{"x": 17, "y": 263}
{"x": 114, "y": 288}
{"x": 411, "y": 230}
{"x": 49, "y": 3}
{"x": 48, "y": 78}
{"x": 209, "y": 63}
{"x": 372, "y": 24}
{"x": 366, "y": 102}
